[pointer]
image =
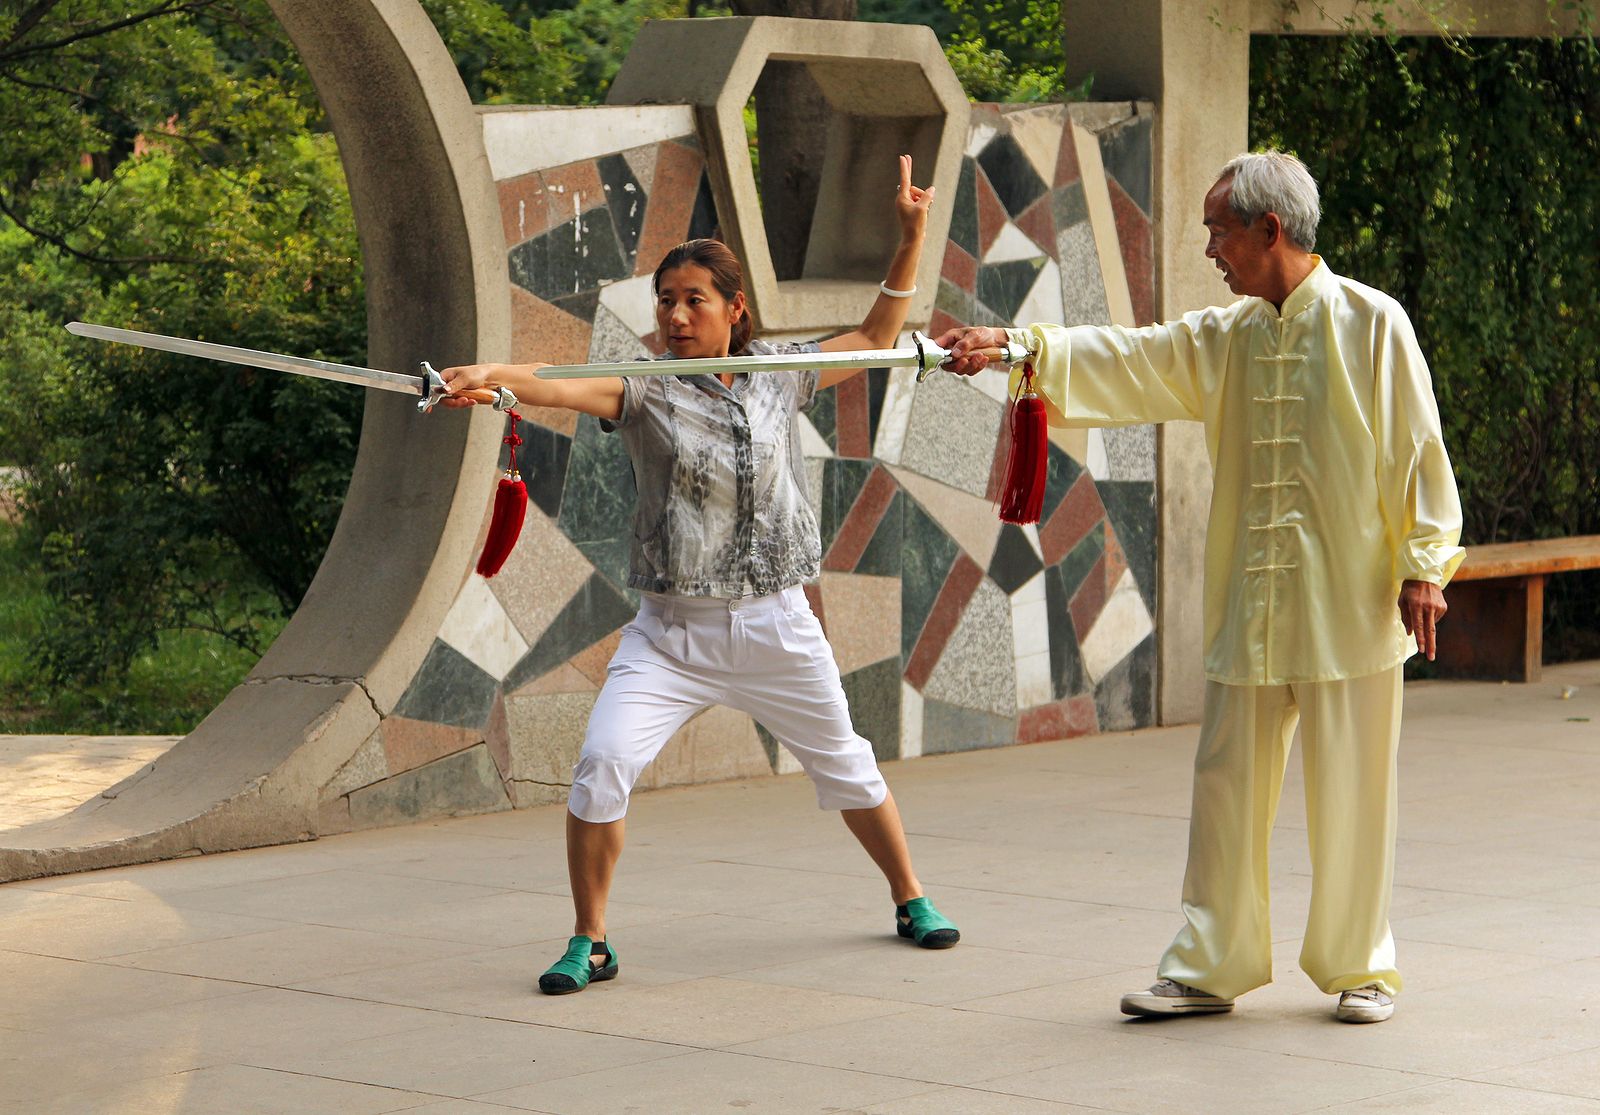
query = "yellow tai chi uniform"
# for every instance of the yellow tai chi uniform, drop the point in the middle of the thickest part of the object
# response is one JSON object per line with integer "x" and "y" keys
{"x": 1332, "y": 486}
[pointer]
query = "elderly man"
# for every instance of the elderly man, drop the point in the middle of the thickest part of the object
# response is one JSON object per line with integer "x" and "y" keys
{"x": 1333, "y": 528}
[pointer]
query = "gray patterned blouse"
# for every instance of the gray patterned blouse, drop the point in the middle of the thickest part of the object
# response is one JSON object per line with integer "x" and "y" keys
{"x": 722, "y": 508}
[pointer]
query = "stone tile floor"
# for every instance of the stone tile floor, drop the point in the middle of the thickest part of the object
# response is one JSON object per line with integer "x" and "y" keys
{"x": 393, "y": 970}
{"x": 45, "y": 776}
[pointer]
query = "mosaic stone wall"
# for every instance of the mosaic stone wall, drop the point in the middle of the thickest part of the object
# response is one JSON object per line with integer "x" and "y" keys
{"x": 952, "y": 631}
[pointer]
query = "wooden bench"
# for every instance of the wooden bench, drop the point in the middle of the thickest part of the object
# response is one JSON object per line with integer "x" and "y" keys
{"x": 1495, "y": 627}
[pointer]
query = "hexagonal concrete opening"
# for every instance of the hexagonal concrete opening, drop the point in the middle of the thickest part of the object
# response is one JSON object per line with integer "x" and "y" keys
{"x": 888, "y": 90}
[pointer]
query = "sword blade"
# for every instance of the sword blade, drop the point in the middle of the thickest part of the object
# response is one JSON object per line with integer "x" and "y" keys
{"x": 785, "y": 362}
{"x": 255, "y": 358}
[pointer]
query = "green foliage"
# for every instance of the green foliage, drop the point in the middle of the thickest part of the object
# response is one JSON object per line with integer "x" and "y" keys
{"x": 1009, "y": 50}
{"x": 1459, "y": 177}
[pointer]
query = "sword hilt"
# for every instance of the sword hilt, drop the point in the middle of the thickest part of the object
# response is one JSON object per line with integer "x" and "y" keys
{"x": 930, "y": 357}
{"x": 434, "y": 388}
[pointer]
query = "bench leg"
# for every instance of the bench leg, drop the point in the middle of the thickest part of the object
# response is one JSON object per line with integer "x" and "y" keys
{"x": 1494, "y": 630}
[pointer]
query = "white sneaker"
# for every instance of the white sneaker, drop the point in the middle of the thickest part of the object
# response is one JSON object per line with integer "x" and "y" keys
{"x": 1168, "y": 996}
{"x": 1364, "y": 1004}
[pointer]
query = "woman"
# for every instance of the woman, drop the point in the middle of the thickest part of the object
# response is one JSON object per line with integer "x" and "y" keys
{"x": 723, "y": 538}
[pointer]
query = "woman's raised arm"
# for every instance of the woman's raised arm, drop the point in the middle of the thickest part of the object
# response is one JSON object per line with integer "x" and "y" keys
{"x": 882, "y": 325}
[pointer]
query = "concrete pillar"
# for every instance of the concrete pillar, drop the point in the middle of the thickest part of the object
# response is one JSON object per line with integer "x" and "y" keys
{"x": 1193, "y": 61}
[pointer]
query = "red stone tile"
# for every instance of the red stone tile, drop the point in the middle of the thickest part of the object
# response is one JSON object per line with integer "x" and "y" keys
{"x": 523, "y": 208}
{"x": 1067, "y": 170}
{"x": 1039, "y": 225}
{"x": 1067, "y": 719}
{"x": 813, "y": 593}
{"x": 563, "y": 184}
{"x": 592, "y": 662}
{"x": 854, "y": 421}
{"x": 540, "y": 331}
{"x": 559, "y": 419}
{"x": 414, "y": 743}
{"x": 941, "y": 323}
{"x": 861, "y": 523}
{"x": 1090, "y": 598}
{"x": 497, "y": 734}
{"x": 991, "y": 214}
{"x": 671, "y": 204}
{"x": 962, "y": 581}
{"x": 960, "y": 268}
{"x": 1138, "y": 252}
{"x": 1072, "y": 520}
{"x": 1116, "y": 561}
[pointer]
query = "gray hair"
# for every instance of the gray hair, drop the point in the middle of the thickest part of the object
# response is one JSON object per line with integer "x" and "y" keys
{"x": 1275, "y": 182}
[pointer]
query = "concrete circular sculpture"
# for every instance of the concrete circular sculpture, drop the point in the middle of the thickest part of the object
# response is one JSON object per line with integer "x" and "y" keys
{"x": 434, "y": 252}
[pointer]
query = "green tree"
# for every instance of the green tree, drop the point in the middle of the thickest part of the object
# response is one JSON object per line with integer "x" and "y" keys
{"x": 1459, "y": 176}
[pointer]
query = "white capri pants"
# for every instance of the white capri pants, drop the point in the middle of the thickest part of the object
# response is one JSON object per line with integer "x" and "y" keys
{"x": 762, "y": 655}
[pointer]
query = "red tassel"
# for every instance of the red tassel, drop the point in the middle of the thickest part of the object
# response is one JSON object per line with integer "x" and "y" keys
{"x": 510, "y": 506}
{"x": 1022, "y": 498}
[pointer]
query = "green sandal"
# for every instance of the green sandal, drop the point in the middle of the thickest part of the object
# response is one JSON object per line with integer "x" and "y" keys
{"x": 576, "y": 968}
{"x": 918, "y": 920}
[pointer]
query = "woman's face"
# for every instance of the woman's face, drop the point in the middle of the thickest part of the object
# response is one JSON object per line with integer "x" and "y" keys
{"x": 691, "y": 317}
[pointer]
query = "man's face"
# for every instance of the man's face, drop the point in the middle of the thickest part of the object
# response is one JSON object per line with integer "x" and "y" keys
{"x": 1240, "y": 250}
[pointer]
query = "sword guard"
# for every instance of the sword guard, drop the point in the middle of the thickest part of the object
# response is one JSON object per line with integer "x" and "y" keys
{"x": 930, "y": 357}
{"x": 434, "y": 389}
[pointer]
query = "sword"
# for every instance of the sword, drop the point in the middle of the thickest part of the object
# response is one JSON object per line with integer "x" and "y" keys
{"x": 428, "y": 385}
{"x": 923, "y": 355}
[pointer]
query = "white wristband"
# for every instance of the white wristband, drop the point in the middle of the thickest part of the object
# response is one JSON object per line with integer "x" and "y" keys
{"x": 893, "y": 293}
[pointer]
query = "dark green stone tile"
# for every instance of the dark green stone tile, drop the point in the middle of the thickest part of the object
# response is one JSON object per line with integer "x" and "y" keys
{"x": 1067, "y": 678}
{"x": 596, "y": 610}
{"x": 947, "y": 728}
{"x": 1004, "y": 286}
{"x": 703, "y": 221}
{"x": 877, "y": 389}
{"x": 581, "y": 305}
{"x": 466, "y": 782}
{"x": 598, "y": 497}
{"x": 626, "y": 200}
{"x": 575, "y": 256}
{"x": 841, "y": 484}
{"x": 964, "y": 216}
{"x": 882, "y": 557}
{"x": 448, "y": 689}
{"x": 1015, "y": 560}
{"x": 1073, "y": 568}
{"x": 610, "y": 557}
{"x": 1126, "y": 154}
{"x": 543, "y": 457}
{"x": 1061, "y": 473}
{"x": 1131, "y": 507}
{"x": 1125, "y": 697}
{"x": 824, "y": 415}
{"x": 769, "y": 744}
{"x": 1068, "y": 206}
{"x": 924, "y": 564}
{"x": 1010, "y": 172}
{"x": 874, "y": 695}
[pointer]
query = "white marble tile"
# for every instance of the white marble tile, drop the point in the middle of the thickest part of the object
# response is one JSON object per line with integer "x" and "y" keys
{"x": 1044, "y": 297}
{"x": 910, "y": 721}
{"x": 1012, "y": 244}
{"x": 633, "y": 301}
{"x": 1030, "y": 623}
{"x": 1122, "y": 625}
{"x": 478, "y": 626}
{"x": 812, "y": 443}
{"x": 896, "y": 415}
{"x": 979, "y": 136}
{"x": 522, "y": 139}
{"x": 1095, "y": 460}
{"x": 1038, "y": 132}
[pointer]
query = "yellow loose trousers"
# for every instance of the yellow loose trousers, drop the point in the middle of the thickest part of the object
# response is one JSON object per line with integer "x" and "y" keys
{"x": 1350, "y": 730}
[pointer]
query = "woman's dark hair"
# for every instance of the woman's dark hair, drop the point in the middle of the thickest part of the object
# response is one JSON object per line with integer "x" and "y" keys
{"x": 726, "y": 275}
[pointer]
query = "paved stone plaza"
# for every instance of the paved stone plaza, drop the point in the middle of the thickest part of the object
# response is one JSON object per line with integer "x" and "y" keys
{"x": 393, "y": 970}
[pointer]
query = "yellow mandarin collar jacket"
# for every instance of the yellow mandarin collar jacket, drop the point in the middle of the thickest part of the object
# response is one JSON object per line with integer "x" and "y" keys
{"x": 1332, "y": 485}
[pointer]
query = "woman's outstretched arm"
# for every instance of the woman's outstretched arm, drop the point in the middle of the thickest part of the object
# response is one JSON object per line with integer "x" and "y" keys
{"x": 882, "y": 325}
{"x": 600, "y": 397}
